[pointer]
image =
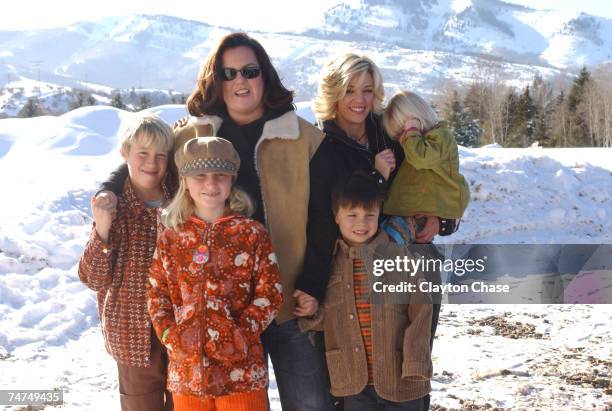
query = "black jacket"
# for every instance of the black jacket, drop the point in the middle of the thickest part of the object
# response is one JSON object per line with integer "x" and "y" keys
{"x": 336, "y": 159}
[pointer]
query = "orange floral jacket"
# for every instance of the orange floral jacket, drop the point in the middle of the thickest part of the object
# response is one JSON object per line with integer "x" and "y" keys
{"x": 213, "y": 289}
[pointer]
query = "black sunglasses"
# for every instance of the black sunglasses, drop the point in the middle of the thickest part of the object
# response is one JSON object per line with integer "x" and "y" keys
{"x": 249, "y": 72}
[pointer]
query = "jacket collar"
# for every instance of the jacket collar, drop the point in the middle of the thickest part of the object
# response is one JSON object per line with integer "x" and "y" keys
{"x": 377, "y": 140}
{"x": 131, "y": 200}
{"x": 285, "y": 127}
{"x": 359, "y": 251}
{"x": 201, "y": 223}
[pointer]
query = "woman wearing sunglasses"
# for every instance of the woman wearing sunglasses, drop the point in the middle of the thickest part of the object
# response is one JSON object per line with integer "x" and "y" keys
{"x": 240, "y": 97}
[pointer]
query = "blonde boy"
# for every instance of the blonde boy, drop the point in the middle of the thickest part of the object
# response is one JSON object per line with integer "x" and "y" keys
{"x": 116, "y": 262}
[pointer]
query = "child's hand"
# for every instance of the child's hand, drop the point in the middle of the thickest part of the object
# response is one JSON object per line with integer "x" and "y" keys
{"x": 103, "y": 208}
{"x": 307, "y": 305}
{"x": 413, "y": 123}
{"x": 384, "y": 162}
{"x": 431, "y": 228}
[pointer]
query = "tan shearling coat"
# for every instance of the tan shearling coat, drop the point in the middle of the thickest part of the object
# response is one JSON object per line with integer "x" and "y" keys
{"x": 282, "y": 157}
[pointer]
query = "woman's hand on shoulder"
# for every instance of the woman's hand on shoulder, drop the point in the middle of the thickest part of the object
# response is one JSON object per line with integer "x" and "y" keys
{"x": 181, "y": 122}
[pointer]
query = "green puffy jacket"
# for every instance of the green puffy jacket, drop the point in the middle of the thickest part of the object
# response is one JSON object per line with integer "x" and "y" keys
{"x": 428, "y": 180}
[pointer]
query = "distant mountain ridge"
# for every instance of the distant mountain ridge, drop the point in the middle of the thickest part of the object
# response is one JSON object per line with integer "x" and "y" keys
{"x": 417, "y": 43}
{"x": 513, "y": 32}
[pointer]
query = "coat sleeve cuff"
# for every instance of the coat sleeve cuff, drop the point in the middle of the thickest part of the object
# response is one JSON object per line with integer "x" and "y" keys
{"x": 101, "y": 249}
{"x": 311, "y": 288}
{"x": 314, "y": 323}
{"x": 416, "y": 371}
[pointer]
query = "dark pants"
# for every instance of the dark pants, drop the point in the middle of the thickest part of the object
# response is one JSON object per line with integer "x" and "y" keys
{"x": 299, "y": 366}
{"x": 144, "y": 388}
{"x": 369, "y": 400}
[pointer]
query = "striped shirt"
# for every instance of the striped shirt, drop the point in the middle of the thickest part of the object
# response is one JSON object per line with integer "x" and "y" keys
{"x": 362, "y": 303}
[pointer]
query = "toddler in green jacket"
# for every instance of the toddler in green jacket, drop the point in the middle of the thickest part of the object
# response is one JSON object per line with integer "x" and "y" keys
{"x": 428, "y": 194}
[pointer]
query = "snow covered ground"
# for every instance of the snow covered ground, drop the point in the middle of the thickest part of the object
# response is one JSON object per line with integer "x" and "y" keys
{"x": 485, "y": 357}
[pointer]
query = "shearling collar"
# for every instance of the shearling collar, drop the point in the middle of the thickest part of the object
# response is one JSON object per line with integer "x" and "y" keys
{"x": 284, "y": 127}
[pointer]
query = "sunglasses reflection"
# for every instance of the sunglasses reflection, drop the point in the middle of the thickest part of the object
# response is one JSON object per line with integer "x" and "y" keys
{"x": 249, "y": 72}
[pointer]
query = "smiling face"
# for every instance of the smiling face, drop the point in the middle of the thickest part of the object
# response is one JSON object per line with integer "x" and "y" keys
{"x": 209, "y": 192}
{"x": 147, "y": 164}
{"x": 358, "y": 101}
{"x": 357, "y": 225}
{"x": 243, "y": 97}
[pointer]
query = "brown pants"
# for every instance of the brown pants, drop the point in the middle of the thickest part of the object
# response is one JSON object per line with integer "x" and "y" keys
{"x": 144, "y": 389}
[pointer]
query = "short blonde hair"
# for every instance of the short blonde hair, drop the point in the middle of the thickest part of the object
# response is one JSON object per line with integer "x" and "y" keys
{"x": 335, "y": 78}
{"x": 403, "y": 106}
{"x": 150, "y": 126}
{"x": 182, "y": 207}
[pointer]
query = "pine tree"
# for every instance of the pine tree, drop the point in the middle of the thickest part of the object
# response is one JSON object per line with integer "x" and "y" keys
{"x": 144, "y": 102}
{"x": 578, "y": 132}
{"x": 466, "y": 130}
{"x": 508, "y": 120}
{"x": 577, "y": 92}
{"x": 31, "y": 108}
{"x": 82, "y": 99}
{"x": 560, "y": 121}
{"x": 452, "y": 109}
{"x": 524, "y": 120}
{"x": 543, "y": 101}
{"x": 118, "y": 102}
{"x": 179, "y": 99}
{"x": 475, "y": 100}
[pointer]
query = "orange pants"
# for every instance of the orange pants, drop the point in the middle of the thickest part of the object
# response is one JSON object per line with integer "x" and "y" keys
{"x": 247, "y": 401}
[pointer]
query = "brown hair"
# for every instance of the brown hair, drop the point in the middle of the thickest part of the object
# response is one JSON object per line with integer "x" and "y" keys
{"x": 358, "y": 190}
{"x": 207, "y": 98}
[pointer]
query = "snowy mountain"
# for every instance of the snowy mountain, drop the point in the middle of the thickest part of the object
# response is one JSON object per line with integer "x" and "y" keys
{"x": 480, "y": 27}
{"x": 550, "y": 357}
{"x": 417, "y": 43}
{"x": 120, "y": 52}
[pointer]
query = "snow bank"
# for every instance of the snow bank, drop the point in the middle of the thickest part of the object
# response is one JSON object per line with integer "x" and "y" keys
{"x": 51, "y": 167}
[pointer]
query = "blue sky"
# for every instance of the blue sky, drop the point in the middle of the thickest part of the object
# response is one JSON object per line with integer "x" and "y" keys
{"x": 245, "y": 14}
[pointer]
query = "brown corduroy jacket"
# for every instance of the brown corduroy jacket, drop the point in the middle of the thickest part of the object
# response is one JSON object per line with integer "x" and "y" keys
{"x": 400, "y": 332}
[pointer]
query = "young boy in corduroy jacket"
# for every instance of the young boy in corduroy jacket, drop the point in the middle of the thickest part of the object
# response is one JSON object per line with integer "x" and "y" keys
{"x": 376, "y": 353}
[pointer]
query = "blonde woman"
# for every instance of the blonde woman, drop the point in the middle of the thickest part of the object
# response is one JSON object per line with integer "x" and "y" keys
{"x": 348, "y": 106}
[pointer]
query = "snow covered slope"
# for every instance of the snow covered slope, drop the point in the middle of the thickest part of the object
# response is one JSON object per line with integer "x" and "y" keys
{"x": 49, "y": 328}
{"x": 417, "y": 43}
{"x": 487, "y": 27}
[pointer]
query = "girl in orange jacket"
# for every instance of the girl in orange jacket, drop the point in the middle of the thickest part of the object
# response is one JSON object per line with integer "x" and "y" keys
{"x": 214, "y": 285}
